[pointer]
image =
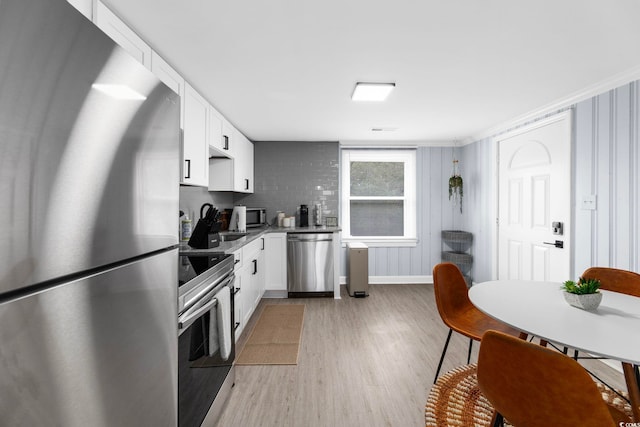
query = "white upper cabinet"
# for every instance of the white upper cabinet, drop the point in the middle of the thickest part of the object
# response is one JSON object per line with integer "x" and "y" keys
{"x": 167, "y": 74}
{"x": 205, "y": 132}
{"x": 115, "y": 28}
{"x": 170, "y": 77}
{"x": 243, "y": 163}
{"x": 84, "y": 6}
{"x": 218, "y": 143}
{"x": 234, "y": 174}
{"x": 195, "y": 143}
{"x": 228, "y": 137}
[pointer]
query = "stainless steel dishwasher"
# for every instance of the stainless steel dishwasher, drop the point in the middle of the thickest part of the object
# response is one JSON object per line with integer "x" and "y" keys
{"x": 310, "y": 264}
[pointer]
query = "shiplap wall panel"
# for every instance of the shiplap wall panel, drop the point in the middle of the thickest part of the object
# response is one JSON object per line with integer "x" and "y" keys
{"x": 584, "y": 159}
{"x": 606, "y": 159}
{"x": 603, "y": 142}
{"x": 477, "y": 166}
{"x": 634, "y": 202}
{"x": 404, "y": 261}
{"x": 436, "y": 218}
{"x": 621, "y": 176}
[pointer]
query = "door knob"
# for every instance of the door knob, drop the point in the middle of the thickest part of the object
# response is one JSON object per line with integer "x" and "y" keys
{"x": 557, "y": 244}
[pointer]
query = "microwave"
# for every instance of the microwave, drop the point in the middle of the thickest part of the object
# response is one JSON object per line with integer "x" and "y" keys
{"x": 256, "y": 217}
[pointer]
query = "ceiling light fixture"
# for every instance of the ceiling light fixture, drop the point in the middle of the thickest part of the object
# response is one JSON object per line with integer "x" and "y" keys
{"x": 372, "y": 91}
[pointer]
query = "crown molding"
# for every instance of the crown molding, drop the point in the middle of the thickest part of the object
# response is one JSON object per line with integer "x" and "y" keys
{"x": 599, "y": 88}
{"x": 397, "y": 144}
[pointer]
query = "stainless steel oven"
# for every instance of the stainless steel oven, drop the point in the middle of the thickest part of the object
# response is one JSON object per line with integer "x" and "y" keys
{"x": 206, "y": 336}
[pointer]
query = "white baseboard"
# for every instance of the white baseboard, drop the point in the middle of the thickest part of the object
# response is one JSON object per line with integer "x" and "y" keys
{"x": 394, "y": 280}
{"x": 275, "y": 294}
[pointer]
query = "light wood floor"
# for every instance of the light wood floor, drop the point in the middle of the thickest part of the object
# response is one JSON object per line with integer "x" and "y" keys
{"x": 362, "y": 362}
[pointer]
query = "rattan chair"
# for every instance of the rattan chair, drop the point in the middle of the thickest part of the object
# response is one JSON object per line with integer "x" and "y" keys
{"x": 538, "y": 387}
{"x": 456, "y": 400}
{"x": 457, "y": 311}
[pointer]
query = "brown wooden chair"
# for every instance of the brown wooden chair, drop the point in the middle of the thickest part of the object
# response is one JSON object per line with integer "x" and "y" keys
{"x": 613, "y": 279}
{"x": 533, "y": 386}
{"x": 457, "y": 311}
{"x": 624, "y": 282}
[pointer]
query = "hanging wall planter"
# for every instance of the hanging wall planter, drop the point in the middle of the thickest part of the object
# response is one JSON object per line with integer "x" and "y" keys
{"x": 456, "y": 186}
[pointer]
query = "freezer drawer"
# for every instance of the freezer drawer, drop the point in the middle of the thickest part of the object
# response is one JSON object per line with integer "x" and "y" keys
{"x": 98, "y": 351}
{"x": 310, "y": 263}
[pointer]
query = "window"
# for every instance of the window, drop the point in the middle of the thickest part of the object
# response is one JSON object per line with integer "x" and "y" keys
{"x": 378, "y": 203}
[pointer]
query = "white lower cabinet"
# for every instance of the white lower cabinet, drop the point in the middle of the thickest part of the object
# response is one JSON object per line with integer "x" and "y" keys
{"x": 237, "y": 307}
{"x": 275, "y": 264}
{"x": 250, "y": 279}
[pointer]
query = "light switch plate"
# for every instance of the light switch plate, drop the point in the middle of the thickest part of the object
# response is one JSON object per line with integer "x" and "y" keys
{"x": 589, "y": 202}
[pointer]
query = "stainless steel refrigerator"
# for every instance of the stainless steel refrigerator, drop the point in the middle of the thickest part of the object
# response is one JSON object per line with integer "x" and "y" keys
{"x": 89, "y": 170}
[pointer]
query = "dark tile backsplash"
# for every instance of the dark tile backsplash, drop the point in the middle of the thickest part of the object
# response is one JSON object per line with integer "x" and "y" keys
{"x": 288, "y": 174}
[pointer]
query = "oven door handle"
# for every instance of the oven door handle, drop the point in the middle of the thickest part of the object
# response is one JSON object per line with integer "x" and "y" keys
{"x": 190, "y": 316}
{"x": 205, "y": 291}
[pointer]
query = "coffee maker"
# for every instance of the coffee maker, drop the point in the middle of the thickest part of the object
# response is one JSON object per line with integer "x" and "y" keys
{"x": 304, "y": 216}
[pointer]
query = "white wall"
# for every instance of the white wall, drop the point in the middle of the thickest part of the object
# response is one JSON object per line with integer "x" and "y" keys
{"x": 478, "y": 169}
{"x": 606, "y": 158}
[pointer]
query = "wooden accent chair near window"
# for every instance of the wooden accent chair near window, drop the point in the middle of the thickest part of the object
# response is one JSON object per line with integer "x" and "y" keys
{"x": 535, "y": 386}
{"x": 457, "y": 311}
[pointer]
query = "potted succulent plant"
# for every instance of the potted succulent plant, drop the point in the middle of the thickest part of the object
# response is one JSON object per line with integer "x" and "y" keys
{"x": 584, "y": 294}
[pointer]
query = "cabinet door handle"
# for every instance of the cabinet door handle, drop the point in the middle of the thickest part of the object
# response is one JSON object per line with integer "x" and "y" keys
{"x": 255, "y": 266}
{"x": 262, "y": 243}
{"x": 226, "y": 142}
{"x": 246, "y": 184}
{"x": 187, "y": 166}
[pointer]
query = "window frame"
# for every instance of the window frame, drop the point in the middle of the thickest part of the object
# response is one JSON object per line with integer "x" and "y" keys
{"x": 406, "y": 156}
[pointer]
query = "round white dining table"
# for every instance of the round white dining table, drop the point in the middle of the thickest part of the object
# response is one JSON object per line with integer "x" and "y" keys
{"x": 538, "y": 308}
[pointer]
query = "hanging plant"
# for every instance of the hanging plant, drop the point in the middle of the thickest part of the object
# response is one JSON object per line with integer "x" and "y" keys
{"x": 456, "y": 186}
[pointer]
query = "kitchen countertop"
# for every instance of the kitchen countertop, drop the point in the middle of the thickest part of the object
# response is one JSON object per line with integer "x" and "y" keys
{"x": 252, "y": 234}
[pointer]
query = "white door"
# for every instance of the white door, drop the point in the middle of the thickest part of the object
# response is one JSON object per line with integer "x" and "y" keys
{"x": 534, "y": 195}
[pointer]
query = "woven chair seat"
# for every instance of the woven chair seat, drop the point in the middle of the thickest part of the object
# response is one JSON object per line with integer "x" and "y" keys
{"x": 455, "y": 400}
